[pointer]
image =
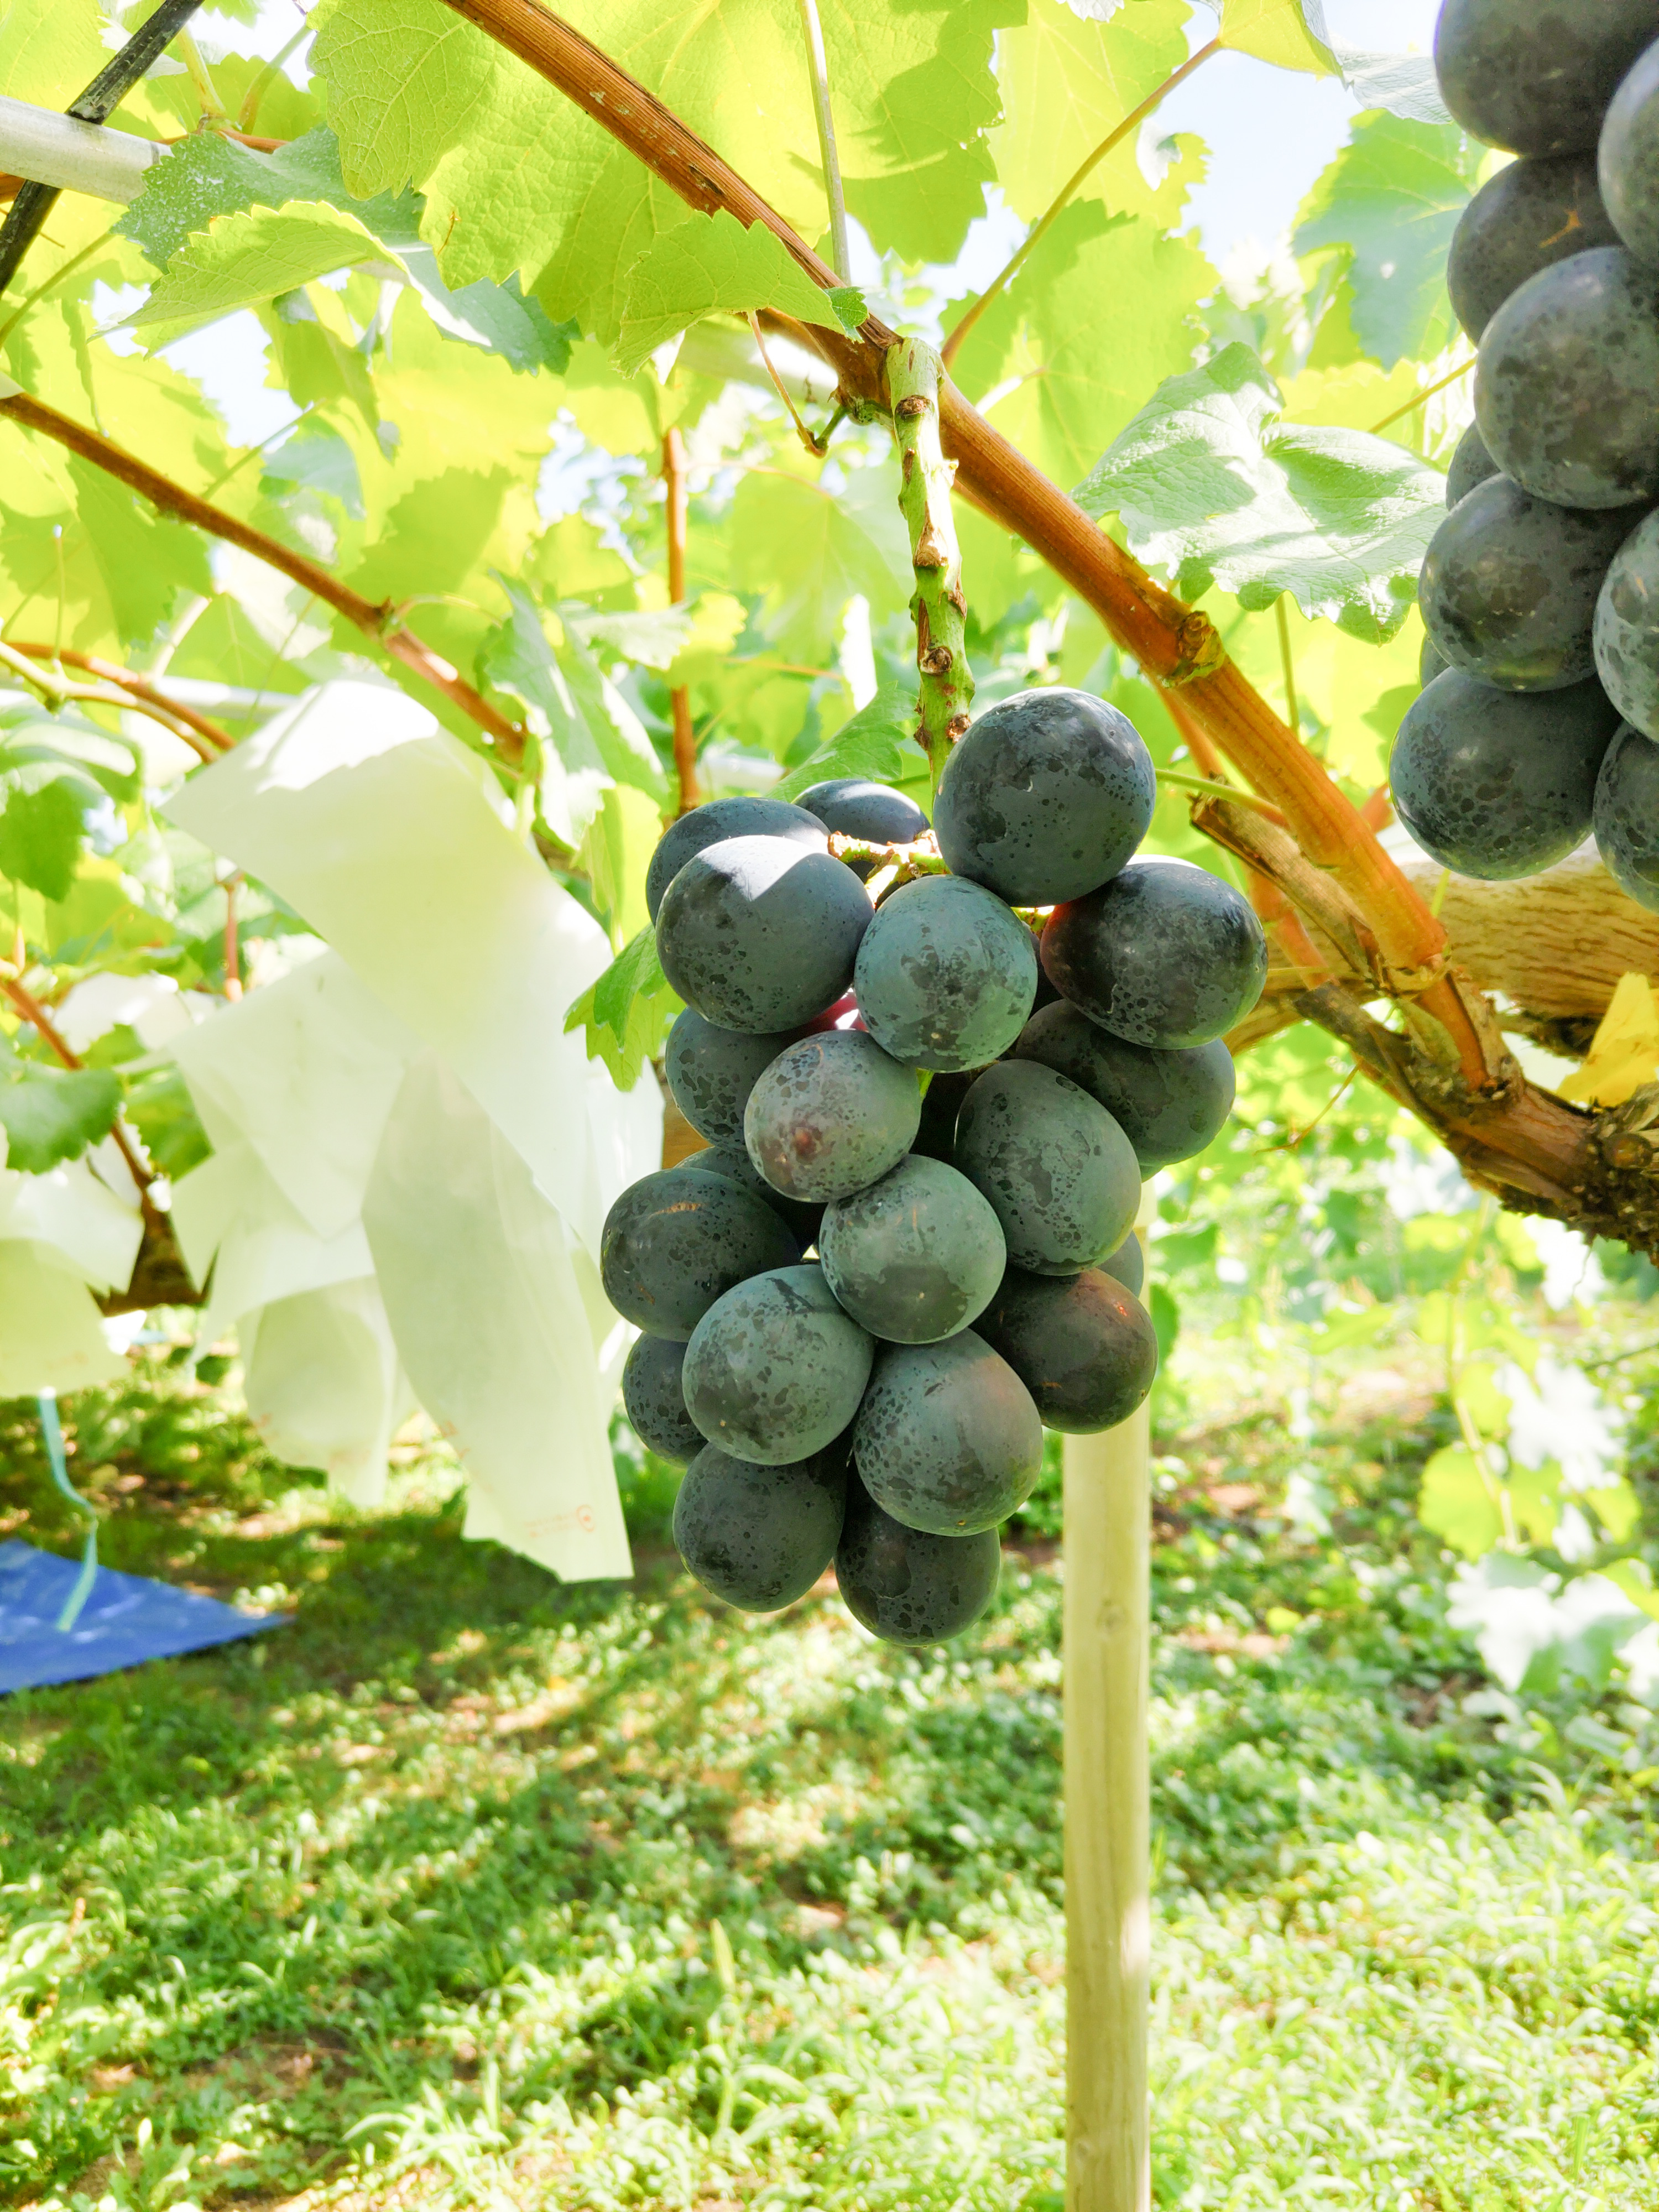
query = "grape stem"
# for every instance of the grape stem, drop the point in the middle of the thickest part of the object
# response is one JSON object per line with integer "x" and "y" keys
{"x": 913, "y": 375}
{"x": 677, "y": 515}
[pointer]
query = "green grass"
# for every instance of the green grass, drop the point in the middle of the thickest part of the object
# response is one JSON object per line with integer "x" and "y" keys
{"x": 467, "y": 1889}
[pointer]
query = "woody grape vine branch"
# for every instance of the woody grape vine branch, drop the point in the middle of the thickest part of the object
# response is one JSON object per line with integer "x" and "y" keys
{"x": 378, "y": 623}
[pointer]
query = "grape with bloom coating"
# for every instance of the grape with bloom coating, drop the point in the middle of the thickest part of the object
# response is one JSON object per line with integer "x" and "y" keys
{"x": 711, "y": 1071}
{"x": 712, "y": 824}
{"x": 1628, "y": 158}
{"x": 1471, "y": 464}
{"x": 1509, "y": 586}
{"x": 1567, "y": 382}
{"x": 946, "y": 975}
{"x": 831, "y": 1114}
{"x": 1627, "y": 628}
{"x": 1497, "y": 784}
{"x": 775, "y": 1372}
{"x": 760, "y": 1536}
{"x": 1047, "y": 796}
{"x": 1062, "y": 1175}
{"x": 1084, "y": 1345}
{"x": 759, "y": 934}
{"x": 1165, "y": 955}
{"x": 915, "y": 1256}
{"x": 654, "y": 1401}
{"x": 947, "y": 1438}
{"x": 1528, "y": 216}
{"x": 1169, "y": 1105}
{"x": 907, "y": 1587}
{"x": 853, "y": 806}
{"x": 676, "y": 1240}
{"x": 1536, "y": 75}
{"x": 1627, "y": 816}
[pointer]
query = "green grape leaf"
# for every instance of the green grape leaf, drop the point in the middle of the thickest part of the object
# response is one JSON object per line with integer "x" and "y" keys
{"x": 52, "y": 1114}
{"x": 809, "y": 551}
{"x": 516, "y": 179}
{"x": 1213, "y": 487}
{"x": 1276, "y": 31}
{"x": 1066, "y": 84}
{"x": 319, "y": 458}
{"x": 1071, "y": 365}
{"x": 145, "y": 560}
{"x": 1457, "y": 1503}
{"x": 711, "y": 265}
{"x": 653, "y": 636}
{"x": 159, "y": 1107}
{"x": 627, "y": 1013}
{"x": 40, "y": 832}
{"x": 851, "y": 307}
{"x": 246, "y": 258}
{"x": 49, "y": 49}
{"x": 205, "y": 175}
{"x": 1389, "y": 202}
{"x": 588, "y": 738}
{"x": 871, "y": 744}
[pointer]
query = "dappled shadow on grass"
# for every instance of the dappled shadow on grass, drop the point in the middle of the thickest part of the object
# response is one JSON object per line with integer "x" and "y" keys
{"x": 456, "y": 1844}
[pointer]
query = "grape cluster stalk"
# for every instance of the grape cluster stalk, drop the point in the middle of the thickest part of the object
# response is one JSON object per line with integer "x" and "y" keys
{"x": 1538, "y": 722}
{"x": 908, "y": 1246}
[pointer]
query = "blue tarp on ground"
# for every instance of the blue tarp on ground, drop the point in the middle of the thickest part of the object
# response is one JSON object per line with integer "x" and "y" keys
{"x": 126, "y": 1618}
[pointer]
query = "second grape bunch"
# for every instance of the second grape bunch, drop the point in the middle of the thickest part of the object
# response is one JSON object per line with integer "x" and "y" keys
{"x": 908, "y": 1246}
{"x": 1540, "y": 591}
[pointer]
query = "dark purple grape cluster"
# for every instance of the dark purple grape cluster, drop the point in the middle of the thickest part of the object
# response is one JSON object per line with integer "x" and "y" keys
{"x": 908, "y": 1244}
{"x": 1540, "y": 591}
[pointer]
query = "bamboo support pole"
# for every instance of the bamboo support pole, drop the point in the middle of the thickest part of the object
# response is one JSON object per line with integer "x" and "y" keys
{"x": 1107, "y": 1627}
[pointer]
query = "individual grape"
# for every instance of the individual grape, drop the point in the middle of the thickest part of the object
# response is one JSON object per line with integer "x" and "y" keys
{"x": 759, "y": 1537}
{"x": 1165, "y": 955}
{"x": 775, "y": 1372}
{"x": 1060, "y": 1173}
{"x": 1567, "y": 382}
{"x": 947, "y": 1438}
{"x": 1169, "y": 1105}
{"x": 655, "y": 1402}
{"x": 1471, "y": 464}
{"x": 1529, "y": 214}
{"x": 1627, "y": 816}
{"x": 713, "y": 824}
{"x": 711, "y": 1071}
{"x": 946, "y": 975}
{"x": 1431, "y": 663}
{"x": 936, "y": 1138}
{"x": 1497, "y": 784}
{"x": 797, "y": 1215}
{"x": 1084, "y": 1345}
{"x": 1509, "y": 586}
{"x": 831, "y": 1114}
{"x": 915, "y": 1256}
{"x": 1536, "y": 75}
{"x": 676, "y": 1240}
{"x": 1627, "y": 628}
{"x": 1127, "y": 1264}
{"x": 760, "y": 933}
{"x": 1628, "y": 158}
{"x": 907, "y": 1587}
{"x": 1045, "y": 796}
{"x": 855, "y": 807}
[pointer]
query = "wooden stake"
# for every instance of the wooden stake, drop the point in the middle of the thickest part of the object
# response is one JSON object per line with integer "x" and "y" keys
{"x": 1108, "y": 1507}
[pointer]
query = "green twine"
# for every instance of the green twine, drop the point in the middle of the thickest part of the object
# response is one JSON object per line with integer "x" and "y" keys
{"x": 54, "y": 1434}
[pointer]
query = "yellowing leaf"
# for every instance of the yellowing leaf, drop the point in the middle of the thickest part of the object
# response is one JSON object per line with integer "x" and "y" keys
{"x": 711, "y": 265}
{"x": 247, "y": 258}
{"x": 1623, "y": 1053}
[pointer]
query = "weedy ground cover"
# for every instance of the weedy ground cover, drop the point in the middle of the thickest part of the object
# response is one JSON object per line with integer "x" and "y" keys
{"x": 467, "y": 1889}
